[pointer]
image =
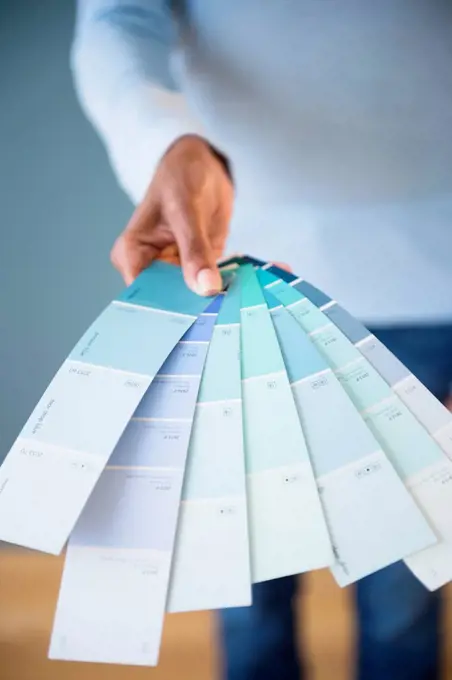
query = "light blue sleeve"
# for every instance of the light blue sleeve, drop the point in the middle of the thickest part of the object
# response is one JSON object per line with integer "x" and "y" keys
{"x": 124, "y": 59}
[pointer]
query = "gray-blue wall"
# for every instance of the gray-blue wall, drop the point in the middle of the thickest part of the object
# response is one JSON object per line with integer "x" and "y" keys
{"x": 60, "y": 209}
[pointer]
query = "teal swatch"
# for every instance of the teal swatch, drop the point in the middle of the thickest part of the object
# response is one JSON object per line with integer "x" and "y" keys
{"x": 224, "y": 357}
{"x": 230, "y": 309}
{"x": 301, "y": 358}
{"x": 260, "y": 350}
{"x": 252, "y": 294}
{"x": 162, "y": 286}
{"x": 222, "y": 373}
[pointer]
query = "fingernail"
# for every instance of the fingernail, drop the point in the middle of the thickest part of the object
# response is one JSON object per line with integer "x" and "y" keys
{"x": 208, "y": 282}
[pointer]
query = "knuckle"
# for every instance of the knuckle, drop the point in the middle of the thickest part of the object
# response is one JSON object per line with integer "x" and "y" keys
{"x": 114, "y": 254}
{"x": 195, "y": 246}
{"x": 198, "y": 251}
{"x": 119, "y": 251}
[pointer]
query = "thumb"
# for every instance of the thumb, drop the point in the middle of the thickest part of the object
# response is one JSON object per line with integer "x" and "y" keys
{"x": 196, "y": 254}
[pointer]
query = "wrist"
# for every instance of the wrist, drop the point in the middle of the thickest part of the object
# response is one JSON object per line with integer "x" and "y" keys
{"x": 223, "y": 160}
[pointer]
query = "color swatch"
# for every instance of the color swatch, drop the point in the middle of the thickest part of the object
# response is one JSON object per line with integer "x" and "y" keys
{"x": 211, "y": 567}
{"x": 288, "y": 530}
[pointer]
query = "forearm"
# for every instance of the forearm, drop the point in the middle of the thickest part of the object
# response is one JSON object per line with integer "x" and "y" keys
{"x": 121, "y": 60}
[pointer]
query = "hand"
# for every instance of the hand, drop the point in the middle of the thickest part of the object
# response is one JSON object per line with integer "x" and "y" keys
{"x": 183, "y": 218}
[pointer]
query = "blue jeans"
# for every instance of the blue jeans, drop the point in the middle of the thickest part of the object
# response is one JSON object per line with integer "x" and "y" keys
{"x": 398, "y": 619}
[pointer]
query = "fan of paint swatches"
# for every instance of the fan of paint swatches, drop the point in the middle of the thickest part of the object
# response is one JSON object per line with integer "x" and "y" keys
{"x": 58, "y": 457}
{"x": 190, "y": 447}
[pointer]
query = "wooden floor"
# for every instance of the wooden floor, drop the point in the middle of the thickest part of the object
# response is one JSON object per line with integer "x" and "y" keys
{"x": 28, "y": 590}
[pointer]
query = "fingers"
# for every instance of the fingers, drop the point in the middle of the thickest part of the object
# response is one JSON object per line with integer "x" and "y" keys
{"x": 170, "y": 254}
{"x": 283, "y": 265}
{"x": 197, "y": 256}
{"x": 130, "y": 257}
{"x": 134, "y": 250}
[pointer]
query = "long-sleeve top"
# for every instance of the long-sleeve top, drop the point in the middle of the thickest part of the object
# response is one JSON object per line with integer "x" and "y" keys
{"x": 336, "y": 118}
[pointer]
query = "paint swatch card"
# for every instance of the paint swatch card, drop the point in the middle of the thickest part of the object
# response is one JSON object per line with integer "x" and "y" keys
{"x": 354, "y": 474}
{"x": 58, "y": 457}
{"x": 116, "y": 577}
{"x": 211, "y": 564}
{"x": 288, "y": 529}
